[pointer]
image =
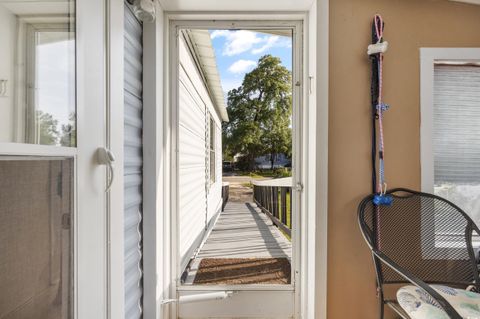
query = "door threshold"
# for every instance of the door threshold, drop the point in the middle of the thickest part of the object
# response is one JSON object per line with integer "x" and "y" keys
{"x": 236, "y": 288}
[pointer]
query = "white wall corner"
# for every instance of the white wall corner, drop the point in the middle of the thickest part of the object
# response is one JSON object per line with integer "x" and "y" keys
{"x": 322, "y": 107}
{"x": 154, "y": 167}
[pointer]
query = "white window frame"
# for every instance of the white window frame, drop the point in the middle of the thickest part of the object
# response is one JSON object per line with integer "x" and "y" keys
{"x": 428, "y": 58}
{"x": 91, "y": 292}
{"x": 31, "y": 28}
{"x": 212, "y": 147}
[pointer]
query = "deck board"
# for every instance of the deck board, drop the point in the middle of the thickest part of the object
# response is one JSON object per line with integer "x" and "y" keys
{"x": 243, "y": 231}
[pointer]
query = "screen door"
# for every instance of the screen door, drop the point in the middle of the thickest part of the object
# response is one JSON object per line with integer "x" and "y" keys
{"x": 237, "y": 255}
{"x": 52, "y": 190}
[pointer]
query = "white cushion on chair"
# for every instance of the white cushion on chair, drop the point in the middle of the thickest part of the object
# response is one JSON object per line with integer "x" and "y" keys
{"x": 419, "y": 305}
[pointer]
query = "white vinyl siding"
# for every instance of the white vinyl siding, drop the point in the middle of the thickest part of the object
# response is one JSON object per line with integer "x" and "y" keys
{"x": 133, "y": 165}
{"x": 198, "y": 200}
{"x": 215, "y": 193}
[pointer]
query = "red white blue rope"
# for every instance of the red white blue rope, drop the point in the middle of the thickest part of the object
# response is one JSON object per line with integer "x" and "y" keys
{"x": 381, "y": 108}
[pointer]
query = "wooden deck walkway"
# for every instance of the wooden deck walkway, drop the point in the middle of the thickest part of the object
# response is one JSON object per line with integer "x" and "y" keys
{"x": 243, "y": 231}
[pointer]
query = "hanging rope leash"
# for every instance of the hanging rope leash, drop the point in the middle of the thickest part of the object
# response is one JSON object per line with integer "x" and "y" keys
{"x": 376, "y": 51}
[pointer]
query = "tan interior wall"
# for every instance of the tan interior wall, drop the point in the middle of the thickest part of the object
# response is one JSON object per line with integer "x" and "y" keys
{"x": 410, "y": 25}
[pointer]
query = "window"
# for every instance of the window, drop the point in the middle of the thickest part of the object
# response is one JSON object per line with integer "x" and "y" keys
{"x": 212, "y": 153}
{"x": 456, "y": 135}
{"x": 50, "y": 78}
{"x": 450, "y": 131}
{"x": 37, "y": 74}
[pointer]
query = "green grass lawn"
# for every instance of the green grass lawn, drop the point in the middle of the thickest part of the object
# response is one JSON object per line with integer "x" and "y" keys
{"x": 276, "y": 173}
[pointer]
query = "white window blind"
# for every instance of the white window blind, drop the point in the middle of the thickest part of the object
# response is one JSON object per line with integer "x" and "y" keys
{"x": 456, "y": 135}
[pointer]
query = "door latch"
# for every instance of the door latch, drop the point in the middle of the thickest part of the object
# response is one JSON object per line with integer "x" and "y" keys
{"x": 298, "y": 187}
{"x": 106, "y": 157}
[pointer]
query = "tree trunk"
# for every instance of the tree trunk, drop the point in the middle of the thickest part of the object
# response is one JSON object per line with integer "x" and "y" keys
{"x": 252, "y": 163}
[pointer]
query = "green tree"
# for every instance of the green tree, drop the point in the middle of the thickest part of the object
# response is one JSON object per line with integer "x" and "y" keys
{"x": 277, "y": 137}
{"x": 260, "y": 113}
{"x": 68, "y": 136}
{"x": 47, "y": 128}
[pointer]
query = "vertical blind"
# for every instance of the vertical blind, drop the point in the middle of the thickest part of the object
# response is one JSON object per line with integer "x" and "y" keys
{"x": 456, "y": 138}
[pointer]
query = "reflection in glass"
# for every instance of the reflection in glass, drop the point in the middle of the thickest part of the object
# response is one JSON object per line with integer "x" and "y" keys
{"x": 37, "y": 66}
{"x": 36, "y": 208}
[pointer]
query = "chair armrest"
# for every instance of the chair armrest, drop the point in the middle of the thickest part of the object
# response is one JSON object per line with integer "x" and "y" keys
{"x": 446, "y": 306}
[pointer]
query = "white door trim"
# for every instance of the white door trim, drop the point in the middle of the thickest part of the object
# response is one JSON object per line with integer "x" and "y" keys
{"x": 157, "y": 141}
{"x": 317, "y": 275}
{"x": 155, "y": 221}
{"x": 114, "y": 142}
{"x": 91, "y": 245}
{"x": 295, "y": 21}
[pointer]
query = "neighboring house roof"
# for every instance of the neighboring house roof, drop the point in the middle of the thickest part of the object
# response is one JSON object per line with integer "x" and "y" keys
{"x": 201, "y": 44}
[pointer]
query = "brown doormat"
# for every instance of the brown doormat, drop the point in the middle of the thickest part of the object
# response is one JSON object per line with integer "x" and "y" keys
{"x": 243, "y": 271}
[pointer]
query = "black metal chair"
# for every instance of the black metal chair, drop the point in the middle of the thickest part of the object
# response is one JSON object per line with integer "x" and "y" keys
{"x": 420, "y": 239}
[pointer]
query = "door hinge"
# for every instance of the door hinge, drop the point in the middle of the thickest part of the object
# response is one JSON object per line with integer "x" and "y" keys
{"x": 298, "y": 187}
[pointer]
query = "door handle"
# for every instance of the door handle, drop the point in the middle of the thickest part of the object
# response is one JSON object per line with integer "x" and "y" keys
{"x": 106, "y": 157}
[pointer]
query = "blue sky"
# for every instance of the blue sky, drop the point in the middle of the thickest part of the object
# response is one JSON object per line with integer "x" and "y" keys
{"x": 237, "y": 53}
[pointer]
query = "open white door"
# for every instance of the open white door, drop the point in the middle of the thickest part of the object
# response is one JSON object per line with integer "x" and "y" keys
{"x": 191, "y": 131}
{"x": 52, "y": 187}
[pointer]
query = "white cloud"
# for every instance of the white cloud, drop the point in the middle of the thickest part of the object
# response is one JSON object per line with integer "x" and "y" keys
{"x": 242, "y": 66}
{"x": 229, "y": 84}
{"x": 237, "y": 42}
{"x": 271, "y": 41}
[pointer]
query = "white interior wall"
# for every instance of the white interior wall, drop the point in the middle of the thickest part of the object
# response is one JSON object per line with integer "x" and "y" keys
{"x": 7, "y": 72}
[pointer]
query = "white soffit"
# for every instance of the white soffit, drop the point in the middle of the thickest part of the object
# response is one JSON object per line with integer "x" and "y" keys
{"x": 237, "y": 5}
{"x": 468, "y": 1}
{"x": 202, "y": 45}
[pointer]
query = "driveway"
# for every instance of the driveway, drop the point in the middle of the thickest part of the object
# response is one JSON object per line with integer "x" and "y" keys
{"x": 239, "y": 189}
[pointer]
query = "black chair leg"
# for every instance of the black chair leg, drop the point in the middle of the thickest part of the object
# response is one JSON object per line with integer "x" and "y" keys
{"x": 381, "y": 307}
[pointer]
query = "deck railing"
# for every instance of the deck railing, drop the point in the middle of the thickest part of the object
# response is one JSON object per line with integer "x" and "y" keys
{"x": 274, "y": 198}
{"x": 225, "y": 194}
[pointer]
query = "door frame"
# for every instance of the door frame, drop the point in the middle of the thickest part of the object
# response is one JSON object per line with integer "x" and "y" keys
{"x": 114, "y": 140}
{"x": 301, "y": 255}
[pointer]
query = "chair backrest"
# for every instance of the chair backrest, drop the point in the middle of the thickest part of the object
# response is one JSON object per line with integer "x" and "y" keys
{"x": 425, "y": 234}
